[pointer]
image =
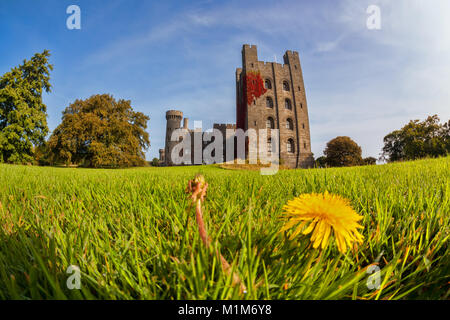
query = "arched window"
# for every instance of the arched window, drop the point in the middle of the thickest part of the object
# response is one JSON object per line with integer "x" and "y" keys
{"x": 268, "y": 84}
{"x": 290, "y": 146}
{"x": 286, "y": 86}
{"x": 270, "y": 123}
{"x": 269, "y": 102}
{"x": 287, "y": 104}
{"x": 289, "y": 124}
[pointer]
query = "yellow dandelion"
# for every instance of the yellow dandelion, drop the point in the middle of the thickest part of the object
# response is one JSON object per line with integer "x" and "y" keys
{"x": 323, "y": 215}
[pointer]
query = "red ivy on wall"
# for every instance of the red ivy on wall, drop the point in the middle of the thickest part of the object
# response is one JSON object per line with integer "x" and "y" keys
{"x": 255, "y": 86}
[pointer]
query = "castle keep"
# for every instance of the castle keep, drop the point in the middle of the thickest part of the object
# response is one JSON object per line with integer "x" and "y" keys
{"x": 282, "y": 105}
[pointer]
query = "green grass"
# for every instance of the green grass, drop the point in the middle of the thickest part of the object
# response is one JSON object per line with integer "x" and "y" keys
{"x": 132, "y": 236}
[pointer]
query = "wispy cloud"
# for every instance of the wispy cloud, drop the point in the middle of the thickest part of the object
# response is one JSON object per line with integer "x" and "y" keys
{"x": 329, "y": 45}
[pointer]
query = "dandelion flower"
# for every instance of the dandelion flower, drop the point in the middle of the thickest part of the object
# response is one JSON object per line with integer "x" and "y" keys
{"x": 323, "y": 215}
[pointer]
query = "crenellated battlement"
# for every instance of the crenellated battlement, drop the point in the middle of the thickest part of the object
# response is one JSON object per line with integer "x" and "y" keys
{"x": 224, "y": 126}
{"x": 174, "y": 114}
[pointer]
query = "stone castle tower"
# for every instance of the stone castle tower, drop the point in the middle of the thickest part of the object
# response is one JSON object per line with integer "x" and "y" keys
{"x": 173, "y": 118}
{"x": 282, "y": 107}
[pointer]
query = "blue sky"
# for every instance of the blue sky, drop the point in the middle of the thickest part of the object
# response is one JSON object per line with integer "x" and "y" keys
{"x": 183, "y": 54}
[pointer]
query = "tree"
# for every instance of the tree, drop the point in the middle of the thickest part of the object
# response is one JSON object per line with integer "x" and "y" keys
{"x": 321, "y": 162}
{"x": 23, "y": 115}
{"x": 100, "y": 132}
{"x": 417, "y": 140}
{"x": 370, "y": 161}
{"x": 155, "y": 162}
{"x": 343, "y": 152}
{"x": 41, "y": 154}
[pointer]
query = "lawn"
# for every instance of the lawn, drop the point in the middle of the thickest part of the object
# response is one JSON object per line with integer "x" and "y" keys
{"x": 132, "y": 235}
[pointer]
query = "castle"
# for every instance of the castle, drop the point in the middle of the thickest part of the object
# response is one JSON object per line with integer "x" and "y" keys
{"x": 281, "y": 104}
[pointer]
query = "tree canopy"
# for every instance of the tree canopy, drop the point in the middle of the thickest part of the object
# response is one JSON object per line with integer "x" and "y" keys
{"x": 343, "y": 152}
{"x": 369, "y": 161}
{"x": 155, "y": 162}
{"x": 23, "y": 115}
{"x": 417, "y": 140}
{"x": 321, "y": 162}
{"x": 100, "y": 132}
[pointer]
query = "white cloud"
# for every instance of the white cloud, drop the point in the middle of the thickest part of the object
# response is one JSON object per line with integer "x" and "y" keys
{"x": 329, "y": 45}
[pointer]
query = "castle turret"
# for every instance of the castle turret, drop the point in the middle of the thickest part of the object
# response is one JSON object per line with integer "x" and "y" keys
{"x": 173, "y": 118}
{"x": 249, "y": 57}
{"x": 162, "y": 156}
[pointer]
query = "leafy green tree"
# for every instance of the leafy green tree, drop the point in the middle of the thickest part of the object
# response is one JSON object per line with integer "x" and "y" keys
{"x": 23, "y": 115}
{"x": 343, "y": 152}
{"x": 369, "y": 161}
{"x": 100, "y": 132}
{"x": 41, "y": 154}
{"x": 155, "y": 162}
{"x": 417, "y": 140}
{"x": 321, "y": 162}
